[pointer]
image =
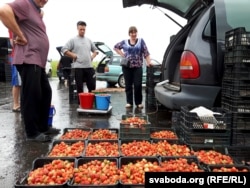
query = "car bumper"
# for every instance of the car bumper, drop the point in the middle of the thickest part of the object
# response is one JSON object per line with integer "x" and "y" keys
{"x": 189, "y": 95}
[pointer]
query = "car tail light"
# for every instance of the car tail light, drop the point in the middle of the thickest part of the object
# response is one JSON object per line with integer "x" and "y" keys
{"x": 106, "y": 69}
{"x": 189, "y": 66}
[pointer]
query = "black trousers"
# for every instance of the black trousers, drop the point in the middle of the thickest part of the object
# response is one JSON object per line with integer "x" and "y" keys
{"x": 85, "y": 75}
{"x": 133, "y": 87}
{"x": 36, "y": 95}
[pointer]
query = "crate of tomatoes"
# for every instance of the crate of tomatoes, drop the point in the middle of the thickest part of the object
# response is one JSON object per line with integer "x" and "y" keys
{"x": 99, "y": 172}
{"x": 134, "y": 127}
{"x": 49, "y": 173}
{"x": 159, "y": 133}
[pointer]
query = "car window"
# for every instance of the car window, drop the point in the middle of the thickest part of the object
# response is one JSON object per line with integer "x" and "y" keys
{"x": 231, "y": 14}
{"x": 116, "y": 60}
{"x": 183, "y": 6}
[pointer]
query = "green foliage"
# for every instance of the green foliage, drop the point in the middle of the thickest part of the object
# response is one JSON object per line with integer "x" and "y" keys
{"x": 54, "y": 68}
{"x": 55, "y": 63}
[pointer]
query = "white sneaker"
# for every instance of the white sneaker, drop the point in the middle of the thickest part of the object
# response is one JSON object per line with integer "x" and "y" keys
{"x": 128, "y": 105}
{"x": 140, "y": 106}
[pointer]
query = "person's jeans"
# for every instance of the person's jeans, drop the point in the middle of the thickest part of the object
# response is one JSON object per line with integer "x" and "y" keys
{"x": 133, "y": 84}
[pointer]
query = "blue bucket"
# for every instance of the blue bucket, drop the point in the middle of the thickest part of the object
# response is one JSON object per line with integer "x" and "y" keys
{"x": 52, "y": 112}
{"x": 102, "y": 101}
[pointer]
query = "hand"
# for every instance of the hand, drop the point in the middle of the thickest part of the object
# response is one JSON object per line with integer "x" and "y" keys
{"x": 20, "y": 41}
{"x": 149, "y": 64}
{"x": 75, "y": 57}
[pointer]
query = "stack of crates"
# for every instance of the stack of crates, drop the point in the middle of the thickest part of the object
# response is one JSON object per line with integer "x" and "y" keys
{"x": 134, "y": 127}
{"x": 73, "y": 96}
{"x": 153, "y": 77}
{"x": 236, "y": 84}
{"x": 205, "y": 130}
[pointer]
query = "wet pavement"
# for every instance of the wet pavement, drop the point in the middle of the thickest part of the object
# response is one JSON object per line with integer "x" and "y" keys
{"x": 17, "y": 154}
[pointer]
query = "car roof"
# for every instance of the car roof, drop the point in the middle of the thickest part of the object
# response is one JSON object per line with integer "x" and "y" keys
{"x": 183, "y": 8}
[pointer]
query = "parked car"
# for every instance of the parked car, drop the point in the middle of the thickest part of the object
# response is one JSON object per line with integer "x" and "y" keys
{"x": 109, "y": 68}
{"x": 63, "y": 70}
{"x": 193, "y": 63}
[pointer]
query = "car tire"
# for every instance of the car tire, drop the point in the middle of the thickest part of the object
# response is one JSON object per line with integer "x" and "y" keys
{"x": 121, "y": 81}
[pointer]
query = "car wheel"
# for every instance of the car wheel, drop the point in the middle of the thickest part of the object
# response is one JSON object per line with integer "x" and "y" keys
{"x": 121, "y": 81}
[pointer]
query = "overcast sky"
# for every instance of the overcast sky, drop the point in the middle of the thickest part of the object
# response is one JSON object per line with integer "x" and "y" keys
{"x": 107, "y": 21}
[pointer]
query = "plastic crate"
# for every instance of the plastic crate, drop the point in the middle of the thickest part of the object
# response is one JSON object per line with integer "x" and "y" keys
{"x": 105, "y": 134}
{"x": 39, "y": 163}
{"x": 75, "y": 134}
{"x": 169, "y": 136}
{"x": 175, "y": 121}
{"x": 192, "y": 164}
{"x": 217, "y": 121}
{"x": 236, "y": 73}
{"x": 240, "y": 153}
{"x": 68, "y": 150}
{"x": 238, "y": 89}
{"x": 237, "y": 37}
{"x": 171, "y": 148}
{"x": 228, "y": 168}
{"x": 143, "y": 117}
{"x": 240, "y": 137}
{"x": 86, "y": 160}
{"x": 205, "y": 136}
{"x": 209, "y": 159}
{"x": 104, "y": 148}
{"x": 73, "y": 95}
{"x": 235, "y": 104}
{"x": 123, "y": 161}
{"x": 241, "y": 121}
{"x": 134, "y": 130}
{"x": 238, "y": 55}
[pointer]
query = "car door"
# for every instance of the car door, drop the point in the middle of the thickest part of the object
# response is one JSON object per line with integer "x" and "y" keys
{"x": 184, "y": 8}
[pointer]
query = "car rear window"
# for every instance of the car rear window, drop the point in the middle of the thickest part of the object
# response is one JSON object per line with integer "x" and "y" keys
{"x": 230, "y": 15}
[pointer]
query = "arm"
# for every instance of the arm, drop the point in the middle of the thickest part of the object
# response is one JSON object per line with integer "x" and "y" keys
{"x": 146, "y": 53}
{"x": 8, "y": 19}
{"x": 94, "y": 54}
{"x": 71, "y": 54}
{"x": 118, "y": 48}
{"x": 120, "y": 52}
{"x": 148, "y": 60}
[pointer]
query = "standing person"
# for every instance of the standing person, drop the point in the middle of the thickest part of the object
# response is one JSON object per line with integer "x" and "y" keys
{"x": 15, "y": 80}
{"x": 134, "y": 50}
{"x": 82, "y": 50}
{"x": 24, "y": 19}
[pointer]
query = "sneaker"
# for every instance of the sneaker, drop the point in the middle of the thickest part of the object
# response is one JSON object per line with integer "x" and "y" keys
{"x": 40, "y": 138}
{"x": 52, "y": 131}
{"x": 128, "y": 105}
{"x": 139, "y": 106}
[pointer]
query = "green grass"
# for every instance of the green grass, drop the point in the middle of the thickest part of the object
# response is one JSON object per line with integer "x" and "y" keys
{"x": 55, "y": 63}
{"x": 54, "y": 68}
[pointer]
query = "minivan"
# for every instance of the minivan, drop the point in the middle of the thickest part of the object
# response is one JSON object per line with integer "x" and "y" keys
{"x": 193, "y": 63}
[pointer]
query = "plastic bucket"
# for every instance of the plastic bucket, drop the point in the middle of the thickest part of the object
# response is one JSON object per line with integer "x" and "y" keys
{"x": 52, "y": 112}
{"x": 102, "y": 101}
{"x": 86, "y": 100}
